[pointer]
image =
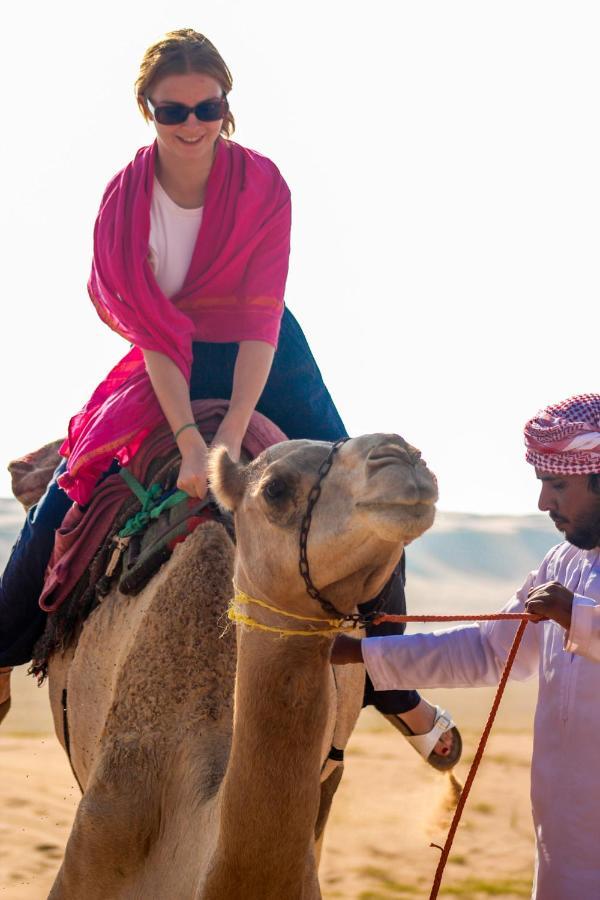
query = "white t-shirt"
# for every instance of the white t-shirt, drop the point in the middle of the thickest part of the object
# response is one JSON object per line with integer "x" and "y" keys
{"x": 173, "y": 233}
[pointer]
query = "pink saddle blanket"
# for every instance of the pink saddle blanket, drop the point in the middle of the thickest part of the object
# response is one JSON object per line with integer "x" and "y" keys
{"x": 83, "y": 530}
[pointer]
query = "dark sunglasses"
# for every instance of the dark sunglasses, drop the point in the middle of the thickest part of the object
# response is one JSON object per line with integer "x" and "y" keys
{"x": 177, "y": 113}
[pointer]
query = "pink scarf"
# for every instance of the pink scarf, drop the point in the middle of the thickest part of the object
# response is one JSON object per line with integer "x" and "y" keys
{"x": 233, "y": 292}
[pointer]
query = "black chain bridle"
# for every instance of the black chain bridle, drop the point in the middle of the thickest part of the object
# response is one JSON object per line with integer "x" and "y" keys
{"x": 357, "y": 619}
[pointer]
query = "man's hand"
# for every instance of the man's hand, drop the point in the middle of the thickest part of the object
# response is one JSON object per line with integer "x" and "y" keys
{"x": 346, "y": 650}
{"x": 551, "y": 601}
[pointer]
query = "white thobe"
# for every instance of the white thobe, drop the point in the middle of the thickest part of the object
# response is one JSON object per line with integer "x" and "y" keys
{"x": 565, "y": 767}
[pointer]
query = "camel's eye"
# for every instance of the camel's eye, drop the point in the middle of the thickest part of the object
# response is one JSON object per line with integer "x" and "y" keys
{"x": 275, "y": 489}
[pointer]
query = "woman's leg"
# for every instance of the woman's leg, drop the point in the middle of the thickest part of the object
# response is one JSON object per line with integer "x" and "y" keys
{"x": 389, "y": 702}
{"x": 21, "y": 619}
{"x": 407, "y": 710}
{"x": 295, "y": 396}
{"x": 296, "y": 399}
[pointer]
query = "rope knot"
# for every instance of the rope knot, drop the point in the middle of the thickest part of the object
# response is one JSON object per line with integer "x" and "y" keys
{"x": 154, "y": 501}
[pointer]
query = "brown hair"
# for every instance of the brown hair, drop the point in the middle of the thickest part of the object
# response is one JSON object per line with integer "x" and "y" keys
{"x": 178, "y": 53}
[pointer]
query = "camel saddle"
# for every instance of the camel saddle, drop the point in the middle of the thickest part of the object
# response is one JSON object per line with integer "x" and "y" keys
{"x": 135, "y": 559}
{"x": 89, "y": 552}
{"x": 142, "y": 553}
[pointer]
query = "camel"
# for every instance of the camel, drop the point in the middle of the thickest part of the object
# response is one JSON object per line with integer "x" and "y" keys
{"x": 202, "y": 776}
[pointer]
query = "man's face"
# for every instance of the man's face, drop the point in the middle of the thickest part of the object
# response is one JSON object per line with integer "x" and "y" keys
{"x": 573, "y": 507}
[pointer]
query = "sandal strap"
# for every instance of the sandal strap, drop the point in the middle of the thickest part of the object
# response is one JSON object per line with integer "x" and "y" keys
{"x": 424, "y": 743}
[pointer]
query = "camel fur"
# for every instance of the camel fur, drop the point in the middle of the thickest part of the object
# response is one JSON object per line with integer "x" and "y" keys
{"x": 201, "y": 767}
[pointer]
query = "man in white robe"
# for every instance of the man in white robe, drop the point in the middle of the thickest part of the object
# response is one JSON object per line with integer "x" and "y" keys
{"x": 563, "y": 443}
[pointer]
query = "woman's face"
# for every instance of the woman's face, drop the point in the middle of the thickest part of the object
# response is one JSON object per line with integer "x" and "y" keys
{"x": 192, "y": 140}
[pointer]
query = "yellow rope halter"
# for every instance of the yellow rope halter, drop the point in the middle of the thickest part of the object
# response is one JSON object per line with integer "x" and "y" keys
{"x": 234, "y": 614}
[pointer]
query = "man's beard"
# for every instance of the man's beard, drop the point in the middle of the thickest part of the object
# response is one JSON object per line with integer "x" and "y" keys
{"x": 585, "y": 532}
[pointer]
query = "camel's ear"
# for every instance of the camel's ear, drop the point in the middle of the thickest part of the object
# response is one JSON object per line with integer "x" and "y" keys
{"x": 227, "y": 479}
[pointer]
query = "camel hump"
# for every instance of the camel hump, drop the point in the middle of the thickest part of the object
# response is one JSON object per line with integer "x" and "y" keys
{"x": 31, "y": 474}
{"x": 119, "y": 541}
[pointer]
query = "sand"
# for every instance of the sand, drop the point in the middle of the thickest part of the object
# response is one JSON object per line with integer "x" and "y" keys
{"x": 389, "y": 808}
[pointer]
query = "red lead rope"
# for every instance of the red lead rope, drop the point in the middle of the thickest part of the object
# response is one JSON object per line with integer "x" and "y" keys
{"x": 523, "y": 618}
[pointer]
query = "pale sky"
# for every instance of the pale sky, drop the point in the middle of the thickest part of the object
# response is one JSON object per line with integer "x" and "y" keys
{"x": 443, "y": 161}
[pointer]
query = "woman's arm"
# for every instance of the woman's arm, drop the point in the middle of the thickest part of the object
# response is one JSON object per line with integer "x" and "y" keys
{"x": 173, "y": 394}
{"x": 250, "y": 374}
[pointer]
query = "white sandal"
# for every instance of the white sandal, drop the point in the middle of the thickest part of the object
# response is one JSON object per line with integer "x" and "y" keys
{"x": 424, "y": 743}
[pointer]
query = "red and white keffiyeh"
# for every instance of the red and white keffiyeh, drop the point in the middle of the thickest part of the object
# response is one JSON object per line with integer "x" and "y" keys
{"x": 565, "y": 437}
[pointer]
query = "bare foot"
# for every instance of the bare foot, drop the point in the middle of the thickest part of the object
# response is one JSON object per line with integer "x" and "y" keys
{"x": 421, "y": 720}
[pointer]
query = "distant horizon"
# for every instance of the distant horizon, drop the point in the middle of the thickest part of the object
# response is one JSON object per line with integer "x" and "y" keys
{"x": 447, "y": 512}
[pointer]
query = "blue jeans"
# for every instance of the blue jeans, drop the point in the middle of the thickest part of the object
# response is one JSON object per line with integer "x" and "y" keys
{"x": 390, "y": 702}
{"x": 294, "y": 397}
{"x": 21, "y": 619}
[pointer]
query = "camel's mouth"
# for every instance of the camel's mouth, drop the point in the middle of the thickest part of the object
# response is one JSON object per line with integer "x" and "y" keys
{"x": 395, "y": 520}
{"x": 410, "y": 510}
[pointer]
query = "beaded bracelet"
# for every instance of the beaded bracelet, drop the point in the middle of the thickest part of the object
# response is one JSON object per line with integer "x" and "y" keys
{"x": 183, "y": 427}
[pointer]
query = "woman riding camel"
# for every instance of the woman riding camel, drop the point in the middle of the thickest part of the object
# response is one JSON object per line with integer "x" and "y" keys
{"x": 191, "y": 249}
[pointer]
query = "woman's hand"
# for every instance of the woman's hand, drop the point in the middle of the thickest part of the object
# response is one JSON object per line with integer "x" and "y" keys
{"x": 173, "y": 393}
{"x": 193, "y": 474}
{"x": 551, "y": 601}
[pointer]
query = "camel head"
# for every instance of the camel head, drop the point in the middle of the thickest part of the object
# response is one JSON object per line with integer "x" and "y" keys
{"x": 377, "y": 496}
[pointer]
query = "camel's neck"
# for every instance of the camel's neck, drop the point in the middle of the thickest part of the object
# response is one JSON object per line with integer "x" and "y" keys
{"x": 270, "y": 794}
